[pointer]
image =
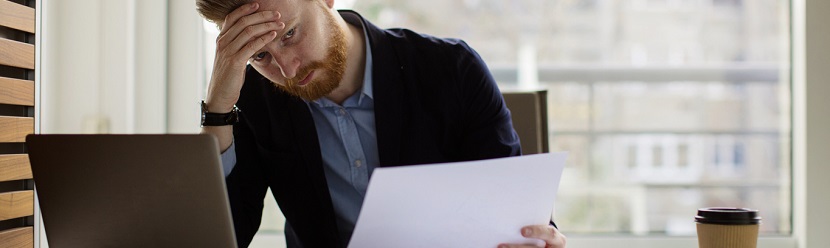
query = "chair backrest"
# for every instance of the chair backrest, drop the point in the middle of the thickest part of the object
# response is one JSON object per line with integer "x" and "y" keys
{"x": 17, "y": 101}
{"x": 530, "y": 118}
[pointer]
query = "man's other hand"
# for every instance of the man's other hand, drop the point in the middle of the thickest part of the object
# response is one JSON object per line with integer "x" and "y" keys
{"x": 552, "y": 237}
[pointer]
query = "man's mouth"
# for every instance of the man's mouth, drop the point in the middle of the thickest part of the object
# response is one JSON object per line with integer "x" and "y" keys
{"x": 306, "y": 79}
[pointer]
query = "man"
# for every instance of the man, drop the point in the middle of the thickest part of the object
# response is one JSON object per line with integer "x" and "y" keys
{"x": 326, "y": 98}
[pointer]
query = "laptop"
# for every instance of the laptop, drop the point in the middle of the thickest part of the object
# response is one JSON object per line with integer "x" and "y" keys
{"x": 131, "y": 190}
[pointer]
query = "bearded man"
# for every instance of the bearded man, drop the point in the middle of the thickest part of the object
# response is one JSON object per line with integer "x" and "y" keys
{"x": 324, "y": 97}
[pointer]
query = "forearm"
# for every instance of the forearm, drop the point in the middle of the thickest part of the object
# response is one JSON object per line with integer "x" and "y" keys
{"x": 223, "y": 133}
{"x": 215, "y": 104}
{"x": 243, "y": 32}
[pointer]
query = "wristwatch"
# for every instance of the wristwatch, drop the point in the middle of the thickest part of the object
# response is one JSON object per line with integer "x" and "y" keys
{"x": 219, "y": 119}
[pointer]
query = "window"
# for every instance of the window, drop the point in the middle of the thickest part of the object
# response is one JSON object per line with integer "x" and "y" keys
{"x": 665, "y": 106}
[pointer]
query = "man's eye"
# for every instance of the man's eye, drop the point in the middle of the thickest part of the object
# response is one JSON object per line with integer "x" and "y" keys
{"x": 289, "y": 34}
{"x": 260, "y": 56}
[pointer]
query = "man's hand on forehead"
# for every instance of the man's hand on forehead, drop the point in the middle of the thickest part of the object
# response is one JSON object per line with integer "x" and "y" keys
{"x": 246, "y": 30}
{"x": 243, "y": 32}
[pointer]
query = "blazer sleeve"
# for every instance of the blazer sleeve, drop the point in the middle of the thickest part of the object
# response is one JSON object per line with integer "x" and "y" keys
{"x": 486, "y": 128}
{"x": 246, "y": 185}
{"x": 487, "y": 123}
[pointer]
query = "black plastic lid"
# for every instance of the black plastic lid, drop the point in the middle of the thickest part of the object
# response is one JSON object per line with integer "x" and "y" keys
{"x": 728, "y": 216}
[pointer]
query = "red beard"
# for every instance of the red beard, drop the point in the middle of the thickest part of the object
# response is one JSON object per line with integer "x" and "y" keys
{"x": 329, "y": 72}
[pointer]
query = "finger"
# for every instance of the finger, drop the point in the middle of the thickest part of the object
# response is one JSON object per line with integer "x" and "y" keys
{"x": 543, "y": 232}
{"x": 252, "y": 33}
{"x": 254, "y": 45}
{"x": 559, "y": 239}
{"x": 516, "y": 246}
{"x": 231, "y": 18}
{"x": 244, "y": 22}
{"x": 236, "y": 14}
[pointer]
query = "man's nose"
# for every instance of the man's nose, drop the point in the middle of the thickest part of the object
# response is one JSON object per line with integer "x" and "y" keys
{"x": 289, "y": 64}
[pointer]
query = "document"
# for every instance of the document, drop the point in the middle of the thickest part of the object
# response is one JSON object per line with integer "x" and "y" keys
{"x": 466, "y": 204}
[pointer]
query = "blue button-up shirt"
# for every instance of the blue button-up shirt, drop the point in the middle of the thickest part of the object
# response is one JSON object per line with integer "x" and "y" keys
{"x": 348, "y": 143}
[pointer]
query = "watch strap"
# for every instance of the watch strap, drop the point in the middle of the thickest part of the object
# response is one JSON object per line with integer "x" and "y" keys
{"x": 219, "y": 119}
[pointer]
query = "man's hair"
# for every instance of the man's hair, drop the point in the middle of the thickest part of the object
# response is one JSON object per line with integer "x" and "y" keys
{"x": 216, "y": 10}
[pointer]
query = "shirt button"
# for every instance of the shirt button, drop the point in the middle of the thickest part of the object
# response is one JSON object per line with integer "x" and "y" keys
{"x": 342, "y": 111}
{"x": 358, "y": 163}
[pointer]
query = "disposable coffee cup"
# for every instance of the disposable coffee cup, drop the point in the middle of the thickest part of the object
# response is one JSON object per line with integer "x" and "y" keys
{"x": 727, "y": 227}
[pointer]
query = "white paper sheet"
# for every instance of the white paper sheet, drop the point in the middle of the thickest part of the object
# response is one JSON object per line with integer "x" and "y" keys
{"x": 467, "y": 204}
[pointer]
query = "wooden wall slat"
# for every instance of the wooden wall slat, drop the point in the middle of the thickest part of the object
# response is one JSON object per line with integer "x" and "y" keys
{"x": 16, "y": 91}
{"x": 15, "y": 129}
{"x": 17, "y": 16}
{"x": 17, "y": 204}
{"x": 18, "y": 237}
{"x": 19, "y": 19}
{"x": 17, "y": 54}
{"x": 15, "y": 167}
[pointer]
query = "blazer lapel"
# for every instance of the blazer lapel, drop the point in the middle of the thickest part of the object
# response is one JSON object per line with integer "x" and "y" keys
{"x": 305, "y": 136}
{"x": 388, "y": 92}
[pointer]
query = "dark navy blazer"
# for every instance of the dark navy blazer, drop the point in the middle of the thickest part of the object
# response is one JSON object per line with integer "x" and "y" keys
{"x": 435, "y": 101}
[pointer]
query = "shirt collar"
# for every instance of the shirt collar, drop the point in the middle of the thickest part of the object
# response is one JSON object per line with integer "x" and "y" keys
{"x": 355, "y": 19}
